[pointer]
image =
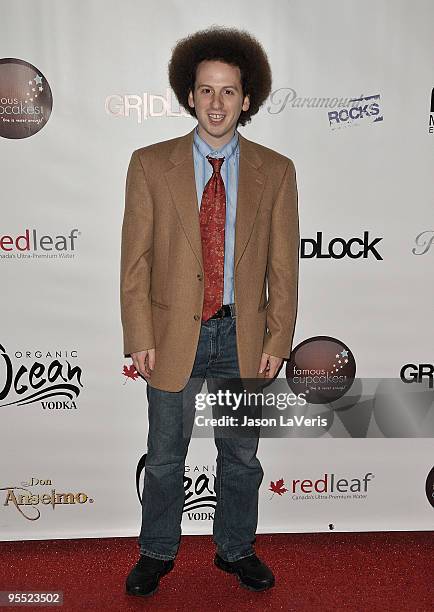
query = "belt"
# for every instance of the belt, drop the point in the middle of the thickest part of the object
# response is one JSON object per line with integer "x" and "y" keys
{"x": 227, "y": 310}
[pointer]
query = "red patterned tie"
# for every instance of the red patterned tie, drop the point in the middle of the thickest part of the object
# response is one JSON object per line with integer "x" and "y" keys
{"x": 212, "y": 218}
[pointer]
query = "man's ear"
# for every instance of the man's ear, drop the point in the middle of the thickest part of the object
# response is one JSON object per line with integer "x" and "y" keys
{"x": 190, "y": 99}
{"x": 246, "y": 103}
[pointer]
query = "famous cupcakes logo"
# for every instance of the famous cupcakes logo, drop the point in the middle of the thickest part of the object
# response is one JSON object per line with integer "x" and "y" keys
{"x": 25, "y": 99}
{"x": 322, "y": 367}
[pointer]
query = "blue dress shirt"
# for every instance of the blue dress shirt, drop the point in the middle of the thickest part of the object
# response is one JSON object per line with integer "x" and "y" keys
{"x": 229, "y": 172}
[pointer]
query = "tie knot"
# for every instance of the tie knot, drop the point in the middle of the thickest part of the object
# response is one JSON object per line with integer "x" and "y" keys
{"x": 216, "y": 162}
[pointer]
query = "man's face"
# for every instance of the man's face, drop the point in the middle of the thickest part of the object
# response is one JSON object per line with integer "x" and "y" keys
{"x": 218, "y": 101}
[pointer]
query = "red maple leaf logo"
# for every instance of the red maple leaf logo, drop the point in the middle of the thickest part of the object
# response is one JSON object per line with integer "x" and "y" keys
{"x": 277, "y": 487}
{"x": 130, "y": 372}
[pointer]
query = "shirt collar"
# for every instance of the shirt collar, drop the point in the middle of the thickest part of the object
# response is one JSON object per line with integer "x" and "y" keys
{"x": 205, "y": 149}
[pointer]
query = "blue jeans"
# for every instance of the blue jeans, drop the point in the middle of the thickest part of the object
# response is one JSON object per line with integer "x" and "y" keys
{"x": 238, "y": 470}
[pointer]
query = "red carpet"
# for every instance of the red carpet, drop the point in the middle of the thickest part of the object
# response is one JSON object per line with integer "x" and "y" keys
{"x": 357, "y": 572}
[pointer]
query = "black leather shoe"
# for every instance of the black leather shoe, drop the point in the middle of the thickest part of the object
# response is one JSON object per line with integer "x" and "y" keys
{"x": 251, "y": 572}
{"x": 144, "y": 577}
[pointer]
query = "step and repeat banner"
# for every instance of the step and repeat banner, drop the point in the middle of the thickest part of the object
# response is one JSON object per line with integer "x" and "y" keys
{"x": 82, "y": 85}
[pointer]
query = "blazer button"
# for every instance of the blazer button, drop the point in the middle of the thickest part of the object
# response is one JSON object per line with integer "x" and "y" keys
{"x": 200, "y": 277}
{"x": 196, "y": 317}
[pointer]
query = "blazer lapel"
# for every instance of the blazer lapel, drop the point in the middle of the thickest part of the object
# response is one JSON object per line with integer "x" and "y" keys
{"x": 251, "y": 183}
{"x": 182, "y": 186}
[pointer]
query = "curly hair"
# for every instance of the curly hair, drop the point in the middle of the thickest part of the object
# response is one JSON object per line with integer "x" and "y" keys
{"x": 229, "y": 45}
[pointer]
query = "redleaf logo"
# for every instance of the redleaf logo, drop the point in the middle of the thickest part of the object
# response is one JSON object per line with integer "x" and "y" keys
{"x": 33, "y": 244}
{"x": 277, "y": 487}
{"x": 329, "y": 486}
{"x": 130, "y": 372}
{"x": 329, "y": 483}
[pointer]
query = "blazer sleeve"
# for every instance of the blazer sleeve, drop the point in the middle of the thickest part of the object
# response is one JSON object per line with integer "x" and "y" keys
{"x": 282, "y": 268}
{"x": 136, "y": 261}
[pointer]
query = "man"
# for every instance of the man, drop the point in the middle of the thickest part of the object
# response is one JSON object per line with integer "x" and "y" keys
{"x": 210, "y": 223}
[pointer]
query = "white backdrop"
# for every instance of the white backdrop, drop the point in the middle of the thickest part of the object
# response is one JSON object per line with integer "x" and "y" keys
{"x": 106, "y": 65}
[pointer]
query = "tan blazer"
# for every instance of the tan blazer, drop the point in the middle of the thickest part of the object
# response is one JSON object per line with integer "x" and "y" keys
{"x": 162, "y": 276}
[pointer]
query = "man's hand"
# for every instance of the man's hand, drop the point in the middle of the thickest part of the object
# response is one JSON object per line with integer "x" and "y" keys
{"x": 144, "y": 362}
{"x": 270, "y": 364}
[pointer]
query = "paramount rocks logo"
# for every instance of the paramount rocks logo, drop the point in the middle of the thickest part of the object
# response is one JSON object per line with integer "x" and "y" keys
{"x": 25, "y": 99}
{"x": 27, "y": 498}
{"x": 365, "y": 109}
{"x": 423, "y": 242}
{"x": 287, "y": 97}
{"x": 46, "y": 377}
{"x": 328, "y": 486}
